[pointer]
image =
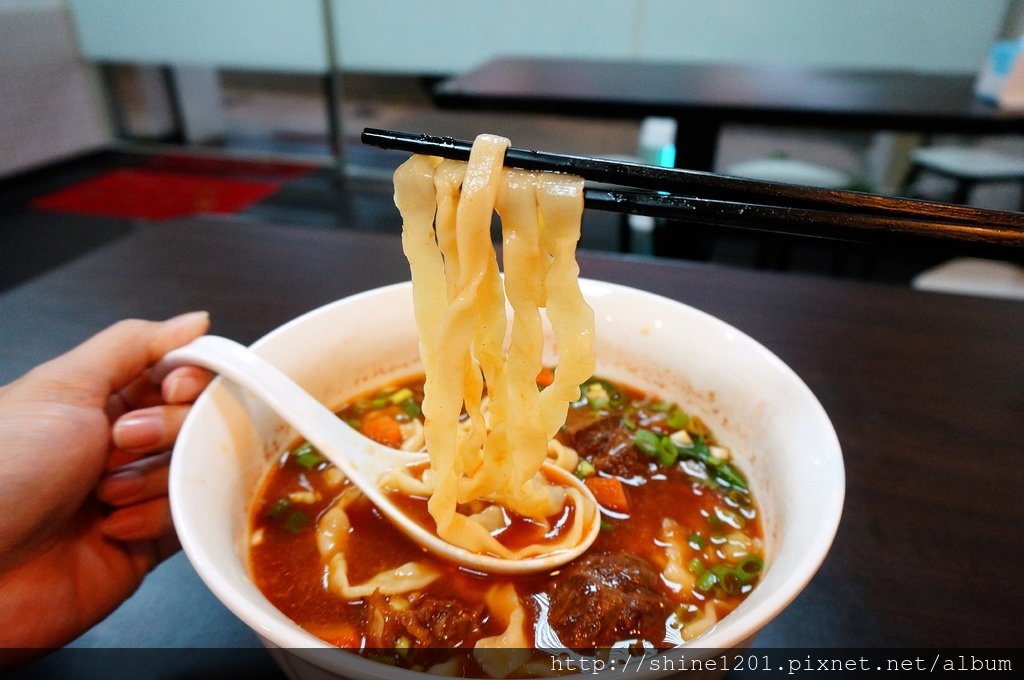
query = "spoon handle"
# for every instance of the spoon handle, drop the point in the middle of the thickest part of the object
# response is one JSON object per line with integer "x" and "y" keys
{"x": 314, "y": 421}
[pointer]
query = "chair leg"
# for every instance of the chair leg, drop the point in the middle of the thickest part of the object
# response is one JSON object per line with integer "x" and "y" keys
{"x": 625, "y": 234}
{"x": 910, "y": 179}
{"x": 963, "y": 191}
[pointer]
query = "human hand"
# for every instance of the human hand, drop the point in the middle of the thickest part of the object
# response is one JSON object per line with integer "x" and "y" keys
{"x": 84, "y": 450}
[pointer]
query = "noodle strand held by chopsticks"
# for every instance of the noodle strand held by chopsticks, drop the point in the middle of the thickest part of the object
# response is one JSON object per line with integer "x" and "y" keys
{"x": 460, "y": 307}
{"x": 525, "y": 269}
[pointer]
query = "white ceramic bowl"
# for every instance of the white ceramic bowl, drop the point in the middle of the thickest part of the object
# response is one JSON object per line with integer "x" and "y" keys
{"x": 779, "y": 433}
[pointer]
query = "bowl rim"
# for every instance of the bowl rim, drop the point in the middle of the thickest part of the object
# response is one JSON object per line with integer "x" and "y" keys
{"x": 284, "y": 633}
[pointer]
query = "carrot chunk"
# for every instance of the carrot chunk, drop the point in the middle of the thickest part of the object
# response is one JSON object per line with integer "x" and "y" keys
{"x": 340, "y": 634}
{"x": 545, "y": 377}
{"x": 382, "y": 427}
{"x": 609, "y": 492}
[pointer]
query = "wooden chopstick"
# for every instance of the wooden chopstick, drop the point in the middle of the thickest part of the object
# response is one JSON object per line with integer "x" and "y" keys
{"x": 708, "y": 198}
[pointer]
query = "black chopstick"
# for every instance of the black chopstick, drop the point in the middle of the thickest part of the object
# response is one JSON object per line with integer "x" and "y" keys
{"x": 799, "y": 221}
{"x": 702, "y": 196}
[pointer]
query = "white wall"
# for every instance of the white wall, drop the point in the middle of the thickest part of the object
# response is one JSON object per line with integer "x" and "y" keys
{"x": 50, "y": 106}
{"x": 927, "y": 35}
{"x": 451, "y": 36}
{"x": 272, "y": 35}
{"x": 455, "y": 35}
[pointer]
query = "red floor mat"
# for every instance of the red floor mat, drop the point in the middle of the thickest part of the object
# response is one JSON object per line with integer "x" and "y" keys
{"x": 232, "y": 167}
{"x": 155, "y": 195}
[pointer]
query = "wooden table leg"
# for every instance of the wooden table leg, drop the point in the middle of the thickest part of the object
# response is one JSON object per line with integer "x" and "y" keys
{"x": 697, "y": 143}
{"x": 696, "y": 146}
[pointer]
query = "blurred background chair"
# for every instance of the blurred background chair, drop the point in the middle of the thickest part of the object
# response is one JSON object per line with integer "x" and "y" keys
{"x": 967, "y": 167}
{"x": 974, "y": 276}
{"x": 791, "y": 171}
{"x": 774, "y": 252}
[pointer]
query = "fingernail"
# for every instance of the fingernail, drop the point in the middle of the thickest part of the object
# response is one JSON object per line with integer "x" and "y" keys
{"x": 122, "y": 524}
{"x": 188, "y": 320}
{"x": 180, "y": 388}
{"x": 121, "y": 487}
{"x": 138, "y": 430}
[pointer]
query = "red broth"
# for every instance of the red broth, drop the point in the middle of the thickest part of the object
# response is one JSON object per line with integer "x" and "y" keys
{"x": 625, "y": 440}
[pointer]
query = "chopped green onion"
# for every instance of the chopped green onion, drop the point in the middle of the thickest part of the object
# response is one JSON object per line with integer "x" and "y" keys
{"x": 410, "y": 408}
{"x": 402, "y": 645}
{"x": 730, "y": 476}
{"x": 646, "y": 441}
{"x": 585, "y": 469}
{"x": 677, "y": 420}
{"x": 696, "y": 567}
{"x": 699, "y": 450}
{"x": 707, "y": 581}
{"x": 279, "y": 507}
{"x": 607, "y": 525}
{"x": 661, "y": 406}
{"x": 379, "y": 402}
{"x": 725, "y": 576}
{"x": 307, "y": 457}
{"x": 720, "y": 472}
{"x": 354, "y": 423}
{"x": 295, "y": 521}
{"x": 628, "y": 423}
{"x": 400, "y": 396}
{"x": 601, "y": 394}
{"x": 696, "y": 541}
{"x": 749, "y": 567}
{"x": 667, "y": 452}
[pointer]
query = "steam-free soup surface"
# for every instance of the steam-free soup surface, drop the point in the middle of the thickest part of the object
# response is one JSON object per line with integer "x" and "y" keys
{"x": 680, "y": 544}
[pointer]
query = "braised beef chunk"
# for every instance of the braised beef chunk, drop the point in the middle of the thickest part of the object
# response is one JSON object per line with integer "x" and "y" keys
{"x": 608, "y": 445}
{"x": 426, "y": 620}
{"x": 603, "y": 598}
{"x": 442, "y": 622}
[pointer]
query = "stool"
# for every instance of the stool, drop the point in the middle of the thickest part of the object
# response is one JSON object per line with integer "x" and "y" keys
{"x": 776, "y": 252}
{"x": 967, "y": 166}
{"x": 973, "y": 276}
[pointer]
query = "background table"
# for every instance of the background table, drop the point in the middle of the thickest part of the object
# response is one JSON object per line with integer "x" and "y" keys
{"x": 704, "y": 97}
{"x": 925, "y": 391}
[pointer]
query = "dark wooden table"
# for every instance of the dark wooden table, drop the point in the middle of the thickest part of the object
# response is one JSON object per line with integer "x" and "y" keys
{"x": 926, "y": 392}
{"x": 704, "y": 97}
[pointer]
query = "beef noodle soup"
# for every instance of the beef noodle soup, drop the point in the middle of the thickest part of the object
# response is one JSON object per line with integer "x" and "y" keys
{"x": 680, "y": 543}
{"x": 680, "y": 546}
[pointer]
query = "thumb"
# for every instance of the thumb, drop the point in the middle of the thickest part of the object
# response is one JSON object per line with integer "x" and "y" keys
{"x": 116, "y": 356}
